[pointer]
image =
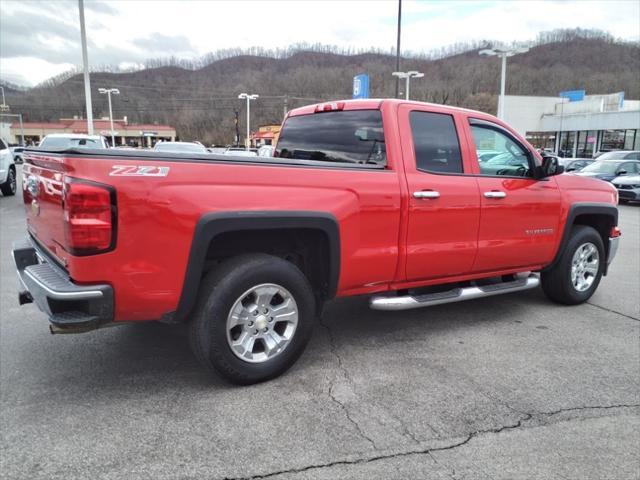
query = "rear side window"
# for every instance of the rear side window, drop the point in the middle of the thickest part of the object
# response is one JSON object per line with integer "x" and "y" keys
{"x": 2, "y": 144}
{"x": 436, "y": 142}
{"x": 354, "y": 136}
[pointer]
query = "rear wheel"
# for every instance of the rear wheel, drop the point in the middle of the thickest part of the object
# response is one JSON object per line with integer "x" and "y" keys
{"x": 8, "y": 188}
{"x": 253, "y": 319}
{"x": 578, "y": 272}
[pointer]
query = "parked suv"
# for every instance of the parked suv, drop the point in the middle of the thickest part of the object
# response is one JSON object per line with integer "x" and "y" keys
{"x": 7, "y": 170}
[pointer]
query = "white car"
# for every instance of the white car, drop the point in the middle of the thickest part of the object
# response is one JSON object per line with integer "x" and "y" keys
{"x": 180, "y": 147}
{"x": 7, "y": 170}
{"x": 72, "y": 140}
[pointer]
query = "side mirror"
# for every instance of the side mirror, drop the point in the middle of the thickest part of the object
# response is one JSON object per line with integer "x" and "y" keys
{"x": 571, "y": 169}
{"x": 550, "y": 166}
{"x": 622, "y": 172}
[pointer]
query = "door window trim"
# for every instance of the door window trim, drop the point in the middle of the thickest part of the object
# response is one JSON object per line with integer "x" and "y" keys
{"x": 500, "y": 129}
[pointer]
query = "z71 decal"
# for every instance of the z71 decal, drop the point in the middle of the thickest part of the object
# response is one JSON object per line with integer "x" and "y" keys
{"x": 138, "y": 171}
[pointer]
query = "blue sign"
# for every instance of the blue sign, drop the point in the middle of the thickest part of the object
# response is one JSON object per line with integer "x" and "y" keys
{"x": 361, "y": 86}
{"x": 573, "y": 95}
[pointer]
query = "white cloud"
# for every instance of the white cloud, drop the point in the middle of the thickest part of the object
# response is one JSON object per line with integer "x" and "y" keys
{"x": 117, "y": 30}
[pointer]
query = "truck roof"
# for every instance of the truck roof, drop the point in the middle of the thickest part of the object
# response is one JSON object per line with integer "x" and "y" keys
{"x": 367, "y": 104}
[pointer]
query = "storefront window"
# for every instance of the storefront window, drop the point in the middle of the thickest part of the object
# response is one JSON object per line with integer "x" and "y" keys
{"x": 546, "y": 140}
{"x": 567, "y": 141}
{"x": 586, "y": 143}
{"x": 629, "y": 137}
{"x": 612, "y": 140}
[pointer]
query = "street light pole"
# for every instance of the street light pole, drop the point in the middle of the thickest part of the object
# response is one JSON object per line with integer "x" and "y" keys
{"x": 502, "y": 54}
{"x": 109, "y": 91}
{"x": 407, "y": 76}
{"x": 85, "y": 67}
{"x": 248, "y": 97}
{"x": 398, "y": 46}
{"x": 3, "y": 102}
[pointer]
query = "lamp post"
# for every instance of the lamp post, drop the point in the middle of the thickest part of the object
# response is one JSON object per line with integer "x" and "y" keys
{"x": 85, "y": 69}
{"x": 408, "y": 76}
{"x": 108, "y": 92}
{"x": 248, "y": 97}
{"x": 502, "y": 53}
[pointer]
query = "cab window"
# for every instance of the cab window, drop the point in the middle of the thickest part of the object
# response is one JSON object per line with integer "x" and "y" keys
{"x": 435, "y": 142}
{"x": 509, "y": 158}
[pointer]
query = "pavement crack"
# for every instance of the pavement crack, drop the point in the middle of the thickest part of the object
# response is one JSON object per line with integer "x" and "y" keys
{"x": 613, "y": 311}
{"x": 334, "y": 350}
{"x": 430, "y": 450}
{"x": 595, "y": 407}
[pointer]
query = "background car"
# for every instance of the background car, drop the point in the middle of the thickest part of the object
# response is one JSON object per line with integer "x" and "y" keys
{"x": 618, "y": 155}
{"x": 628, "y": 187}
{"x": 266, "y": 151}
{"x": 71, "y": 140}
{"x": 609, "y": 169}
{"x": 180, "y": 147}
{"x": 241, "y": 152}
{"x": 16, "y": 152}
{"x": 7, "y": 170}
{"x": 575, "y": 164}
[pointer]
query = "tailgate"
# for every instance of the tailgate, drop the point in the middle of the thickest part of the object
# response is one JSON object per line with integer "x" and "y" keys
{"x": 42, "y": 184}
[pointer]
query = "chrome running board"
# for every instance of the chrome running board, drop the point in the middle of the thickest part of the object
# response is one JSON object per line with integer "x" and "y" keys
{"x": 407, "y": 302}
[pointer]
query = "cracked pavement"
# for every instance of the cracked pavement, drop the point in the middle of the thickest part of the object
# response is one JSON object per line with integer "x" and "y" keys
{"x": 508, "y": 387}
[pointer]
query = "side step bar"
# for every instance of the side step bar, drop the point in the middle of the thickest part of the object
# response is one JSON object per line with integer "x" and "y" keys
{"x": 407, "y": 302}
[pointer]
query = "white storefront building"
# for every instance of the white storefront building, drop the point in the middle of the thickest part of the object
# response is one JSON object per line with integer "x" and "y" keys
{"x": 596, "y": 123}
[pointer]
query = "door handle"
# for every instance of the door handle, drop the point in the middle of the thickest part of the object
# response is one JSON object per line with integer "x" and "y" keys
{"x": 495, "y": 194}
{"x": 431, "y": 194}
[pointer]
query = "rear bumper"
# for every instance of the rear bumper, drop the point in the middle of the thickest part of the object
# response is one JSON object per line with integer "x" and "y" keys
{"x": 70, "y": 307}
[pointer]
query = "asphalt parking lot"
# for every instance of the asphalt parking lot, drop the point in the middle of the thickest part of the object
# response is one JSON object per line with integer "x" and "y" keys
{"x": 508, "y": 387}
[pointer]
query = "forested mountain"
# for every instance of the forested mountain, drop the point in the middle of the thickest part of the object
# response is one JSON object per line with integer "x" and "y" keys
{"x": 199, "y": 99}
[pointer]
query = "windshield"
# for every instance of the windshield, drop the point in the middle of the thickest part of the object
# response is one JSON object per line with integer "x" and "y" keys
{"x": 602, "y": 167}
{"x": 354, "y": 136}
{"x": 70, "y": 142}
{"x": 180, "y": 147}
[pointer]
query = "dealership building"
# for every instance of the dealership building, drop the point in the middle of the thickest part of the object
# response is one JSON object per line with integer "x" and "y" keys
{"x": 125, "y": 133}
{"x": 576, "y": 125}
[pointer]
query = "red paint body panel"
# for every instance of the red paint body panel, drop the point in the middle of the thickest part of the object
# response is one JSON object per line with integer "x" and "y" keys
{"x": 388, "y": 239}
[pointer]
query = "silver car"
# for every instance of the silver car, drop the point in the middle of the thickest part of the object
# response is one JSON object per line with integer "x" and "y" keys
{"x": 628, "y": 188}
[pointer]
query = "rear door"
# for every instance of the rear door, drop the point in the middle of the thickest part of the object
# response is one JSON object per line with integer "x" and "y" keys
{"x": 444, "y": 203}
{"x": 519, "y": 214}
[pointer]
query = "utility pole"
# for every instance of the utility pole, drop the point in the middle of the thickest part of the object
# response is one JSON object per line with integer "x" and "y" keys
{"x": 286, "y": 106}
{"x": 108, "y": 92}
{"x": 398, "y": 47}
{"x": 248, "y": 97}
{"x": 3, "y": 101}
{"x": 85, "y": 67}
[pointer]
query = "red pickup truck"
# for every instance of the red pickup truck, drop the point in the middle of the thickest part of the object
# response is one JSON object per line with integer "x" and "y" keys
{"x": 386, "y": 198}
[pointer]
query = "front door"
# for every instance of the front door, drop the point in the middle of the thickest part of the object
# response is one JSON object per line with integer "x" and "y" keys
{"x": 444, "y": 204}
{"x": 519, "y": 214}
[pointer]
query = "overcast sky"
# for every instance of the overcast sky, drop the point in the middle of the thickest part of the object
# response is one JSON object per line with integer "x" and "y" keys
{"x": 39, "y": 39}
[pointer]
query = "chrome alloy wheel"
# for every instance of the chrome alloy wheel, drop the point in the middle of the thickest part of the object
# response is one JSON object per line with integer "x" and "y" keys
{"x": 262, "y": 322}
{"x": 584, "y": 266}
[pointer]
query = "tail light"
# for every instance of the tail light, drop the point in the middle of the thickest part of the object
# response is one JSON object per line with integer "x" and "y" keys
{"x": 615, "y": 232}
{"x": 89, "y": 217}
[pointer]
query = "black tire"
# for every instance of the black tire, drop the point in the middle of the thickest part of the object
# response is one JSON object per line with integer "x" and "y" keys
{"x": 556, "y": 282}
{"x": 219, "y": 291}
{"x": 8, "y": 188}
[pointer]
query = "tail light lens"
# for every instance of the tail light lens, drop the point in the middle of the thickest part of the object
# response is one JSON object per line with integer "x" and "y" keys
{"x": 89, "y": 217}
{"x": 615, "y": 232}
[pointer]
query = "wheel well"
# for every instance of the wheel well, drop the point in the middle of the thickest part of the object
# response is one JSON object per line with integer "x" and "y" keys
{"x": 307, "y": 248}
{"x": 602, "y": 223}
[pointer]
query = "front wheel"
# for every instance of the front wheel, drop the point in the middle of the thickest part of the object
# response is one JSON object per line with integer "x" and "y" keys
{"x": 8, "y": 188}
{"x": 253, "y": 318}
{"x": 578, "y": 272}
